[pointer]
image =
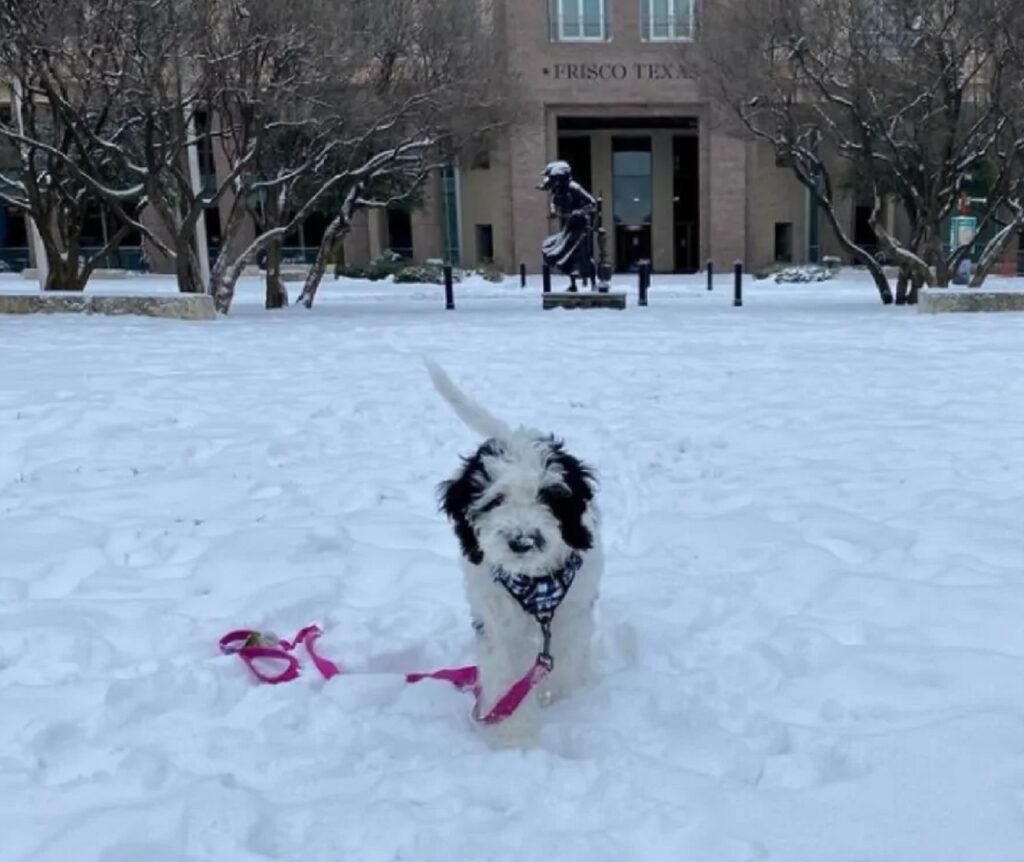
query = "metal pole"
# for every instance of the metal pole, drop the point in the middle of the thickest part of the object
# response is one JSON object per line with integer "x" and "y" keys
{"x": 522, "y": 275}
{"x": 711, "y": 274}
{"x": 449, "y": 291}
{"x": 645, "y": 281}
{"x": 39, "y": 250}
{"x": 604, "y": 267}
{"x": 546, "y": 278}
{"x": 737, "y": 299}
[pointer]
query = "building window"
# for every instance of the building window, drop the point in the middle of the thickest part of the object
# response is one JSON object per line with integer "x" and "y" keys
{"x": 9, "y": 156}
{"x": 13, "y": 228}
{"x": 480, "y": 157}
{"x": 484, "y": 243}
{"x": 666, "y": 20}
{"x": 400, "y": 232}
{"x": 211, "y": 215}
{"x": 783, "y": 242}
{"x": 578, "y": 20}
{"x": 204, "y": 149}
{"x": 813, "y": 229}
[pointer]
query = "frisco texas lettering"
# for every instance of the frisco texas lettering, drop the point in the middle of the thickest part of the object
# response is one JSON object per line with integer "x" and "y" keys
{"x": 617, "y": 71}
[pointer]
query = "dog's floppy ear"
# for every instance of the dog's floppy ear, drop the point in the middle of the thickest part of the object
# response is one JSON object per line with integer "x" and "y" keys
{"x": 580, "y": 477}
{"x": 456, "y": 497}
{"x": 569, "y": 503}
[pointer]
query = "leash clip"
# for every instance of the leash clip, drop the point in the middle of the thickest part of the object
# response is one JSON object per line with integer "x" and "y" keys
{"x": 262, "y": 639}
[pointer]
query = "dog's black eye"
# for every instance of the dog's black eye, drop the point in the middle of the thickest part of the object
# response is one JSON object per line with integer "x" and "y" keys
{"x": 553, "y": 493}
{"x": 493, "y": 503}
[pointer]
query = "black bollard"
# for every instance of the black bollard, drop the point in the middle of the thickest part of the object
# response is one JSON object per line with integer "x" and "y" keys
{"x": 737, "y": 294}
{"x": 449, "y": 290}
{"x": 522, "y": 275}
{"x": 546, "y": 277}
{"x": 711, "y": 274}
{"x": 645, "y": 282}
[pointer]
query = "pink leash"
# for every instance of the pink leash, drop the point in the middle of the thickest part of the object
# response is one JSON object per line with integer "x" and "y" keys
{"x": 250, "y": 645}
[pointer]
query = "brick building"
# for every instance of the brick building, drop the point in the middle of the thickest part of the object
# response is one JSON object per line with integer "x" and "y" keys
{"x": 602, "y": 86}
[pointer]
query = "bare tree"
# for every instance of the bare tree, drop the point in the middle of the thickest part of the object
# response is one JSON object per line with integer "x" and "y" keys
{"x": 278, "y": 114}
{"x": 294, "y": 107}
{"x": 145, "y": 85}
{"x": 284, "y": 176}
{"x": 931, "y": 115}
{"x": 191, "y": 76}
{"x": 44, "y": 74}
{"x": 121, "y": 80}
{"x": 326, "y": 103}
{"x": 431, "y": 77}
{"x": 745, "y": 58}
{"x": 1008, "y": 155}
{"x": 905, "y": 96}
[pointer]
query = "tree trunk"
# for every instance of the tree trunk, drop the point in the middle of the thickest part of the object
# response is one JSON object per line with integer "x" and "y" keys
{"x": 902, "y": 283}
{"x": 186, "y": 249}
{"x": 61, "y": 274}
{"x": 916, "y": 283}
{"x": 226, "y": 273}
{"x": 943, "y": 272}
{"x": 995, "y": 249}
{"x": 339, "y": 256}
{"x": 186, "y": 268}
{"x": 335, "y": 232}
{"x": 909, "y": 261}
{"x": 277, "y": 294}
{"x": 873, "y": 266}
{"x": 63, "y": 270}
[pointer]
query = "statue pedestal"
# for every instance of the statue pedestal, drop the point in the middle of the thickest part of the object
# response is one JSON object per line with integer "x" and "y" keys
{"x": 586, "y": 299}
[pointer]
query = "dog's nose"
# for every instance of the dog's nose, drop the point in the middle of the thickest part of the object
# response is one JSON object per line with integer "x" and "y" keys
{"x": 523, "y": 543}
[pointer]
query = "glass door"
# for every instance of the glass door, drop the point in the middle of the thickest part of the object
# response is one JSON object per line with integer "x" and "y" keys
{"x": 632, "y": 201}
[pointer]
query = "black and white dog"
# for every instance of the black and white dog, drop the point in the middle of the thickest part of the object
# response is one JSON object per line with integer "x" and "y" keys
{"x": 524, "y": 513}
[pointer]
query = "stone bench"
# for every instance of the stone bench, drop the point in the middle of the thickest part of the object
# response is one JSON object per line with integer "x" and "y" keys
{"x": 945, "y": 300}
{"x": 585, "y": 299}
{"x": 180, "y": 306}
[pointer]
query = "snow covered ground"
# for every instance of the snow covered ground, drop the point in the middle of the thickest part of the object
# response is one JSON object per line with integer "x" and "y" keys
{"x": 811, "y": 638}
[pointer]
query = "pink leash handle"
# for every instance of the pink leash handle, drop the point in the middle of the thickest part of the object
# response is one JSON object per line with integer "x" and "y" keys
{"x": 308, "y": 637}
{"x": 250, "y": 645}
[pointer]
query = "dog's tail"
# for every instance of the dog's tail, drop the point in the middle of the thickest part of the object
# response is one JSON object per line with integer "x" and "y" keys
{"x": 475, "y": 416}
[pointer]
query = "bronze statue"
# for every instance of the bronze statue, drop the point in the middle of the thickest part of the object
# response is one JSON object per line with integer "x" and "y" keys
{"x": 571, "y": 250}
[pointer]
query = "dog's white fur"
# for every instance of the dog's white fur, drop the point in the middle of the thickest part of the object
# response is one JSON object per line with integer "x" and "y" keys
{"x": 518, "y": 465}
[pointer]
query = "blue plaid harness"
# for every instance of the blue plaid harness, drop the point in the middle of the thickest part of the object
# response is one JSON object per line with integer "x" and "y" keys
{"x": 540, "y": 597}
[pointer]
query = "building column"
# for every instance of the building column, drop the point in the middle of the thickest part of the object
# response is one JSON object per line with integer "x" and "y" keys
{"x": 158, "y": 261}
{"x": 663, "y": 209}
{"x": 504, "y": 232}
{"x": 727, "y": 205}
{"x": 357, "y": 241}
{"x": 528, "y": 154}
{"x": 377, "y": 227}
{"x": 428, "y": 222}
{"x": 602, "y": 172}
